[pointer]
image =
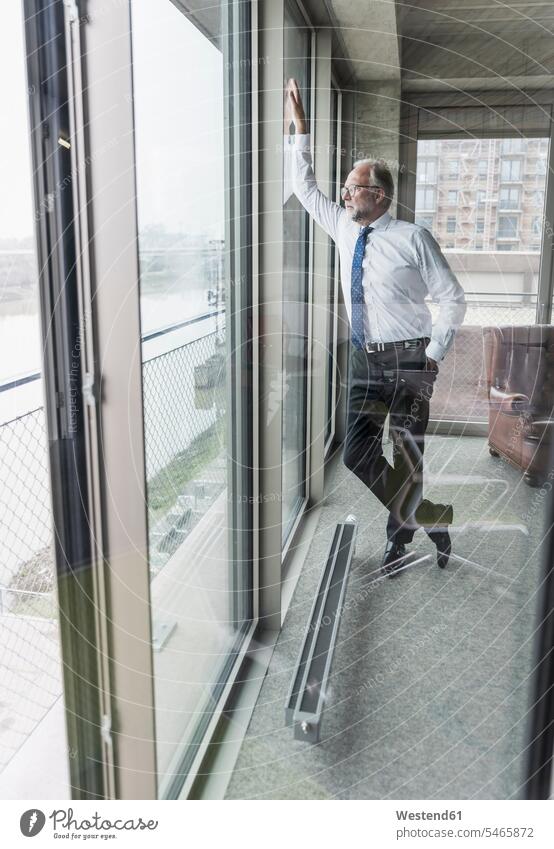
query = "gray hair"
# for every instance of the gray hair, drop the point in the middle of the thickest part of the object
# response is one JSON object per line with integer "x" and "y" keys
{"x": 380, "y": 175}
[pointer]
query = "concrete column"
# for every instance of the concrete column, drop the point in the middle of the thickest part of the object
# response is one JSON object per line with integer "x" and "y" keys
{"x": 377, "y": 125}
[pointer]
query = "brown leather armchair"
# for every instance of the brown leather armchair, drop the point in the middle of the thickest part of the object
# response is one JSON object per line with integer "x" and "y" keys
{"x": 520, "y": 383}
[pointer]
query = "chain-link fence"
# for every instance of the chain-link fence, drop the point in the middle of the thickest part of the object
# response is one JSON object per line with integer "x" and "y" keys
{"x": 184, "y": 416}
{"x": 26, "y": 577}
{"x": 29, "y": 659}
{"x": 460, "y": 392}
{"x": 185, "y": 438}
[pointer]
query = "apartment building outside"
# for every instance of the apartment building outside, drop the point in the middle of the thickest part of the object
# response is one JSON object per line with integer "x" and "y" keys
{"x": 482, "y": 194}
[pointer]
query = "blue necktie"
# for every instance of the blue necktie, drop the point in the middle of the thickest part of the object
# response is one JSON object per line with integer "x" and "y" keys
{"x": 358, "y": 305}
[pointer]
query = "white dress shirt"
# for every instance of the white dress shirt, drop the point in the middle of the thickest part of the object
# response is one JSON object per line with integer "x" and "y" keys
{"x": 402, "y": 264}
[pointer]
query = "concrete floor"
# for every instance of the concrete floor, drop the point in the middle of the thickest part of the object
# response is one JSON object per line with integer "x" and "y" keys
{"x": 430, "y": 681}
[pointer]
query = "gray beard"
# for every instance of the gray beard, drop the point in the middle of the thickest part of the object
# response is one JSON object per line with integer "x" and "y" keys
{"x": 359, "y": 215}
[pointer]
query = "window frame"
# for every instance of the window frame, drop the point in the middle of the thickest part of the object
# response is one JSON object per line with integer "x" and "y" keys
{"x": 336, "y": 282}
{"x": 297, "y": 10}
{"x": 423, "y": 176}
{"x": 51, "y": 39}
{"x": 425, "y": 189}
{"x": 509, "y": 190}
{"x": 112, "y": 316}
{"x": 508, "y": 165}
{"x": 507, "y": 236}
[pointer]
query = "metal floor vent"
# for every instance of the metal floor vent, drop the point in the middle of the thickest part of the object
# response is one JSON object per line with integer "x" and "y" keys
{"x": 307, "y": 693}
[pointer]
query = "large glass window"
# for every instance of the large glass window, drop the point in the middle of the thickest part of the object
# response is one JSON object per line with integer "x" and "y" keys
{"x": 33, "y": 741}
{"x": 428, "y": 171}
{"x": 453, "y": 167}
{"x": 425, "y": 200}
{"x": 508, "y": 198}
{"x": 512, "y": 145}
{"x": 496, "y": 252}
{"x": 507, "y": 227}
{"x": 296, "y": 228}
{"x": 186, "y": 115}
{"x": 510, "y": 170}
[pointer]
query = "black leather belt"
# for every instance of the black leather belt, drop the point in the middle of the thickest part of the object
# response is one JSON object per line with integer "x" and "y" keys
{"x": 373, "y": 347}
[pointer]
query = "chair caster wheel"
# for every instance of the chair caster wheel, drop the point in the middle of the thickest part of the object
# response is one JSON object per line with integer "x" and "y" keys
{"x": 493, "y": 453}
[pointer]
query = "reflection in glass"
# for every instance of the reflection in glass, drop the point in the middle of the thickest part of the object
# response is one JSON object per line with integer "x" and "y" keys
{"x": 179, "y": 68}
{"x": 331, "y": 275}
{"x": 33, "y": 741}
{"x": 296, "y": 47}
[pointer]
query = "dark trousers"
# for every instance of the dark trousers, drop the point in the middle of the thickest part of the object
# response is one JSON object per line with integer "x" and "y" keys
{"x": 395, "y": 383}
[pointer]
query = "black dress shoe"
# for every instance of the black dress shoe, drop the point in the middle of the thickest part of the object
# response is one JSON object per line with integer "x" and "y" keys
{"x": 444, "y": 547}
{"x": 394, "y": 559}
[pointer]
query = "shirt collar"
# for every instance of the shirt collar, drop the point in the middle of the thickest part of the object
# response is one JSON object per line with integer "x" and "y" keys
{"x": 381, "y": 222}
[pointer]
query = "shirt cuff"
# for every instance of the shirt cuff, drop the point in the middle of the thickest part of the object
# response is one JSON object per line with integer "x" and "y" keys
{"x": 435, "y": 351}
{"x": 302, "y": 141}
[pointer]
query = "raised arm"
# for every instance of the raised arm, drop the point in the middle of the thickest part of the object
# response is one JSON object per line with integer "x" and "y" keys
{"x": 298, "y": 159}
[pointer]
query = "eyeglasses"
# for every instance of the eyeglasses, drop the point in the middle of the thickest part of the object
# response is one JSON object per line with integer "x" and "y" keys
{"x": 351, "y": 190}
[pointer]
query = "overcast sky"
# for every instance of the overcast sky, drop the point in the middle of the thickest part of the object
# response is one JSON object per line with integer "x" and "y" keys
{"x": 178, "y": 76}
{"x": 16, "y": 211}
{"x": 178, "y": 89}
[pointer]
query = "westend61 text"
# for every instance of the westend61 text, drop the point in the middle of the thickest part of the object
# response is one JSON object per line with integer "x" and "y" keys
{"x": 428, "y": 815}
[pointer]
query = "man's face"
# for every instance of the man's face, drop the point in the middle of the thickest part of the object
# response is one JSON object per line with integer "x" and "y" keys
{"x": 366, "y": 204}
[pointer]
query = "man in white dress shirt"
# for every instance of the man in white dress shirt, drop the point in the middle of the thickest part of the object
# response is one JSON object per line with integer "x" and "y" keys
{"x": 387, "y": 267}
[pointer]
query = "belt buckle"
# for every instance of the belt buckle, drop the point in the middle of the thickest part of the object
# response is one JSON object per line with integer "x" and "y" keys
{"x": 371, "y": 347}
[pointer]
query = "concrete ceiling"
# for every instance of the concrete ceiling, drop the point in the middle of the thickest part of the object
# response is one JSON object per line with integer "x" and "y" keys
{"x": 430, "y": 45}
{"x": 454, "y": 44}
{"x": 476, "y": 44}
{"x": 369, "y": 34}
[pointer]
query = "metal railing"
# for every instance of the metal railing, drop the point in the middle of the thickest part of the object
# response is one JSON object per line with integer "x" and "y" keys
{"x": 485, "y": 309}
{"x": 15, "y": 382}
{"x": 184, "y": 401}
{"x": 184, "y": 416}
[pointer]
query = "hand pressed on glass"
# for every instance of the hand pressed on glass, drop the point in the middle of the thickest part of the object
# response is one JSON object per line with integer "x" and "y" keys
{"x": 295, "y": 106}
